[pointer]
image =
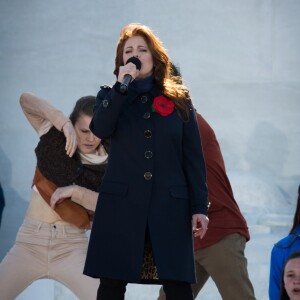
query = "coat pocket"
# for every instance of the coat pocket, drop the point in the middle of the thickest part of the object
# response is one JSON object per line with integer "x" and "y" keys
{"x": 114, "y": 188}
{"x": 179, "y": 192}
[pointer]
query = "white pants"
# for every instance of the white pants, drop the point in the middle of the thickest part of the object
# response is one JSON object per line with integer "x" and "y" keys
{"x": 45, "y": 250}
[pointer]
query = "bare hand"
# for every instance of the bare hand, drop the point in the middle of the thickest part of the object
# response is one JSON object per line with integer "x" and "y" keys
{"x": 199, "y": 224}
{"x": 71, "y": 137}
{"x": 61, "y": 194}
{"x": 129, "y": 69}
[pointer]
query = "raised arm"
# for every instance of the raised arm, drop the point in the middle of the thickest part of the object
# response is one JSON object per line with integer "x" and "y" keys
{"x": 109, "y": 103}
{"x": 42, "y": 116}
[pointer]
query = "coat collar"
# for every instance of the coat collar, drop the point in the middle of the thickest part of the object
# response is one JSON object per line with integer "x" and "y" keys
{"x": 133, "y": 95}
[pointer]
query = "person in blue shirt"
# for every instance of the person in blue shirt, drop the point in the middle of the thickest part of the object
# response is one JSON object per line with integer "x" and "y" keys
{"x": 281, "y": 251}
{"x": 290, "y": 278}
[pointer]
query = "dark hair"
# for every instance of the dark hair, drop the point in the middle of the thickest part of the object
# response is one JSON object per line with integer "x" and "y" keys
{"x": 83, "y": 106}
{"x": 176, "y": 75}
{"x": 175, "y": 72}
{"x": 297, "y": 214}
{"x": 283, "y": 293}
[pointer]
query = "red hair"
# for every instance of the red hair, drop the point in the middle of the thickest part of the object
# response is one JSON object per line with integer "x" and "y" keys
{"x": 168, "y": 84}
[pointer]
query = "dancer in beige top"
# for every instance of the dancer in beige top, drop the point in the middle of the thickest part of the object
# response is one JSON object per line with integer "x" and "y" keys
{"x": 52, "y": 243}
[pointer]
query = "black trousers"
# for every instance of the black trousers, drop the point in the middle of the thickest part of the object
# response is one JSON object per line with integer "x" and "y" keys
{"x": 111, "y": 289}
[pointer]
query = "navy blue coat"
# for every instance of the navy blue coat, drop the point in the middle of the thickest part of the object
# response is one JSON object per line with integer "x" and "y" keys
{"x": 155, "y": 176}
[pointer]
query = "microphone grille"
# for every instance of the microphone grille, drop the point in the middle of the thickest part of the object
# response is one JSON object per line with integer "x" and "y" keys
{"x": 135, "y": 61}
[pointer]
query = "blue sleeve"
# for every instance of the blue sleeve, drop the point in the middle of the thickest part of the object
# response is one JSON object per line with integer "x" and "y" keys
{"x": 276, "y": 265}
{"x": 106, "y": 112}
{"x": 194, "y": 165}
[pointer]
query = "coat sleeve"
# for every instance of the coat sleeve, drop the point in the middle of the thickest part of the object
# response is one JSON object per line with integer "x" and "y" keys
{"x": 106, "y": 112}
{"x": 194, "y": 165}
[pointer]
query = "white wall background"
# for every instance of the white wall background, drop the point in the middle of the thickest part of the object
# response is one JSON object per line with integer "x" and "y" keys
{"x": 240, "y": 60}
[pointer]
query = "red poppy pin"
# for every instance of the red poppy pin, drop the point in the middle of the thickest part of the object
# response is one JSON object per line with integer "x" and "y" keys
{"x": 162, "y": 105}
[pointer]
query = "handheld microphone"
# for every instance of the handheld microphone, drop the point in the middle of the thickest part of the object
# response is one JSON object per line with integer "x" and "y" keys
{"x": 128, "y": 78}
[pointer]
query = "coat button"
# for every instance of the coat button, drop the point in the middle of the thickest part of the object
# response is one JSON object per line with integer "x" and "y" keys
{"x": 148, "y": 133}
{"x": 148, "y": 175}
{"x": 144, "y": 99}
{"x": 147, "y": 115}
{"x": 148, "y": 154}
{"x": 105, "y": 103}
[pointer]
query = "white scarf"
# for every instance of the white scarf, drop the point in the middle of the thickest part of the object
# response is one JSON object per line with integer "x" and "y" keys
{"x": 100, "y": 157}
